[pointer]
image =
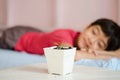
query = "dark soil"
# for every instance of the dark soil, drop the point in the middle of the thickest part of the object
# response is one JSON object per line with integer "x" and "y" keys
{"x": 62, "y": 48}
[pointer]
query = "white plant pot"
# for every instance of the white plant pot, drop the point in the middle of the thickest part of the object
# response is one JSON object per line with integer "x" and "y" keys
{"x": 59, "y": 61}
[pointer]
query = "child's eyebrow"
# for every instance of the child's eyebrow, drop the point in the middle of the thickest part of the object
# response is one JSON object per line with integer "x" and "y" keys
{"x": 98, "y": 29}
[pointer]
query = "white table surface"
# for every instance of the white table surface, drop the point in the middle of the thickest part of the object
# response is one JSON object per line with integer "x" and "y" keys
{"x": 40, "y": 72}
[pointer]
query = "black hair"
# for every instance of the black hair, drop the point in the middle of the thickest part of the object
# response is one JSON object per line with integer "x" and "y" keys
{"x": 112, "y": 30}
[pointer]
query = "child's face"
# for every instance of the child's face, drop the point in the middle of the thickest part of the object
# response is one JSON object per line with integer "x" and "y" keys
{"x": 93, "y": 38}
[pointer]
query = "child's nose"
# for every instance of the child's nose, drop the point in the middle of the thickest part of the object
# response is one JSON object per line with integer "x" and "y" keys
{"x": 94, "y": 40}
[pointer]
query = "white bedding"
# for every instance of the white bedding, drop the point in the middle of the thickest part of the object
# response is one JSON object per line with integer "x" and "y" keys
{"x": 10, "y": 58}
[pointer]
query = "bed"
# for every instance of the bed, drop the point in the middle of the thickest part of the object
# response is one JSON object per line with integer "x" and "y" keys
{"x": 9, "y": 58}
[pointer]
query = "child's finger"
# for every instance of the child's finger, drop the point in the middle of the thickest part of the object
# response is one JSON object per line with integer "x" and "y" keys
{"x": 92, "y": 52}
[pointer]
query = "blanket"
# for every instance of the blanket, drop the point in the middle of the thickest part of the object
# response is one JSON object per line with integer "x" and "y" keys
{"x": 9, "y": 58}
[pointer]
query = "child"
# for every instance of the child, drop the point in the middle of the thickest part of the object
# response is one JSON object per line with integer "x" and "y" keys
{"x": 103, "y": 34}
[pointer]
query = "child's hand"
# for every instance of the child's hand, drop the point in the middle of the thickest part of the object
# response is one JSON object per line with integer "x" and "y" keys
{"x": 99, "y": 52}
{"x": 89, "y": 51}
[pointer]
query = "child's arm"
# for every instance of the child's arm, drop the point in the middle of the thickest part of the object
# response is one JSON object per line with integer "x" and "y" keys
{"x": 86, "y": 55}
{"x": 89, "y": 54}
{"x": 109, "y": 53}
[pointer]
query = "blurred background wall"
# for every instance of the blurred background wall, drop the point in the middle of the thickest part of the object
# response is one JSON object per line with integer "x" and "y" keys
{"x": 52, "y": 14}
{"x": 3, "y": 13}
